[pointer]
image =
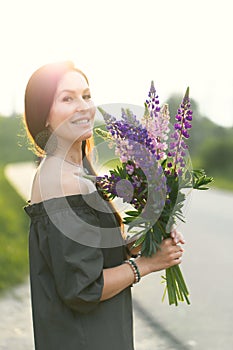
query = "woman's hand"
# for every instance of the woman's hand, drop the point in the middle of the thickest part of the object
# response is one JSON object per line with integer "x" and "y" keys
{"x": 177, "y": 237}
{"x": 169, "y": 254}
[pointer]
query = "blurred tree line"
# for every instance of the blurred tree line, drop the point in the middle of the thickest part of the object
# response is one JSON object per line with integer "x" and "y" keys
{"x": 210, "y": 145}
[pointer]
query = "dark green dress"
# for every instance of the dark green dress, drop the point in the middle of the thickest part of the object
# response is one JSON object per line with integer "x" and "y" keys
{"x": 72, "y": 239}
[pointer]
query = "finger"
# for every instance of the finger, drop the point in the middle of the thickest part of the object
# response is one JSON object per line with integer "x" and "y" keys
{"x": 180, "y": 240}
{"x": 177, "y": 255}
{"x": 173, "y": 234}
{"x": 178, "y": 260}
{"x": 178, "y": 248}
{"x": 177, "y": 237}
{"x": 168, "y": 242}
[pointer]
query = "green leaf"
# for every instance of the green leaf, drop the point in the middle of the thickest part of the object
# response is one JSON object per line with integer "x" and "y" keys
{"x": 103, "y": 134}
{"x": 139, "y": 241}
{"x": 128, "y": 219}
{"x": 136, "y": 222}
{"x": 132, "y": 213}
{"x": 200, "y": 180}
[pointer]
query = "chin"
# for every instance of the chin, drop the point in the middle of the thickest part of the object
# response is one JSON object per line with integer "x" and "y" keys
{"x": 87, "y": 135}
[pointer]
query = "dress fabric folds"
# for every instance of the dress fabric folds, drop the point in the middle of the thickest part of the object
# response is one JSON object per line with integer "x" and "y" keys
{"x": 71, "y": 240}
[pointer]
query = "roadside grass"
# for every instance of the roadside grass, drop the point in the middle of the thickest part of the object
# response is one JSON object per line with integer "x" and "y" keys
{"x": 222, "y": 183}
{"x": 13, "y": 236}
{"x": 13, "y": 141}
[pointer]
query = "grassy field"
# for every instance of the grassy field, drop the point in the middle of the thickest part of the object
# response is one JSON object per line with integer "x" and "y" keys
{"x": 13, "y": 236}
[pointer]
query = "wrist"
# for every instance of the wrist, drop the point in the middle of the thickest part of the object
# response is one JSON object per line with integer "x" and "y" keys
{"x": 134, "y": 267}
{"x": 144, "y": 265}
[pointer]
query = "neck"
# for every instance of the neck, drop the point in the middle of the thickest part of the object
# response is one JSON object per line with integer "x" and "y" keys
{"x": 72, "y": 155}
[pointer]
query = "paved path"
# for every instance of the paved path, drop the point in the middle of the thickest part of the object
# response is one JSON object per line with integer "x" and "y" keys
{"x": 15, "y": 320}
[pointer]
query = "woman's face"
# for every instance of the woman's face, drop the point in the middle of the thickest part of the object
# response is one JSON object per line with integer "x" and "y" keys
{"x": 72, "y": 113}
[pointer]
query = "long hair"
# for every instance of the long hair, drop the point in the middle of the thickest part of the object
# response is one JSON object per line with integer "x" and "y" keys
{"x": 87, "y": 147}
{"x": 39, "y": 96}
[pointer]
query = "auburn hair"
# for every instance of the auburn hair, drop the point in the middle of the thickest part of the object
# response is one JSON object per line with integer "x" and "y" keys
{"x": 39, "y": 96}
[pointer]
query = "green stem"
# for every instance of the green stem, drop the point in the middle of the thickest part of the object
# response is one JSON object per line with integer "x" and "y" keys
{"x": 180, "y": 278}
{"x": 181, "y": 283}
{"x": 171, "y": 286}
{"x": 178, "y": 290}
{"x": 169, "y": 290}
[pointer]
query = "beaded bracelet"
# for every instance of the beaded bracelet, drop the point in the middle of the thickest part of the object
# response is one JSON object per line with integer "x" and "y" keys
{"x": 135, "y": 269}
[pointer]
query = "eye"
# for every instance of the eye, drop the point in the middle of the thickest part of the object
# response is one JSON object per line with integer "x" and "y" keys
{"x": 87, "y": 97}
{"x": 67, "y": 98}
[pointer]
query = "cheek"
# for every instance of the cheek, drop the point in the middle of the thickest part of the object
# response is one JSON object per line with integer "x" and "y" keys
{"x": 93, "y": 111}
{"x": 57, "y": 117}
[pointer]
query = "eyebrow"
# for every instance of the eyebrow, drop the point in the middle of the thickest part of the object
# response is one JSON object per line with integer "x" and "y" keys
{"x": 87, "y": 90}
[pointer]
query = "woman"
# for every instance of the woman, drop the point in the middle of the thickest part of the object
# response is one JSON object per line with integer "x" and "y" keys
{"x": 80, "y": 273}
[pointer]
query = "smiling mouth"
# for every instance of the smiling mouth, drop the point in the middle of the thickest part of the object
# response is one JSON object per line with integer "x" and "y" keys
{"x": 81, "y": 122}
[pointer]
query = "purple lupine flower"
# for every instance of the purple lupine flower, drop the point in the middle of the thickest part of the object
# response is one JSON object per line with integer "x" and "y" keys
{"x": 153, "y": 101}
{"x": 130, "y": 169}
{"x": 109, "y": 119}
{"x": 144, "y": 172}
{"x": 156, "y": 121}
{"x": 126, "y": 133}
{"x": 135, "y": 147}
{"x": 177, "y": 145}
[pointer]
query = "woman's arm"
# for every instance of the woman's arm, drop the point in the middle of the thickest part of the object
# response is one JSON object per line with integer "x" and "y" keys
{"x": 118, "y": 278}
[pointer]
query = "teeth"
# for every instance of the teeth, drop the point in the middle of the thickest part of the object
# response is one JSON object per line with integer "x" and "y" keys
{"x": 84, "y": 121}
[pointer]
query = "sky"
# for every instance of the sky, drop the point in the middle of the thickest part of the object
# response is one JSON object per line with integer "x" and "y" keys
{"x": 121, "y": 46}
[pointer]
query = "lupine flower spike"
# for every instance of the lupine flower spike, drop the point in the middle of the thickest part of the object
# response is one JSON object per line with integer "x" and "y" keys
{"x": 178, "y": 147}
{"x": 156, "y": 120}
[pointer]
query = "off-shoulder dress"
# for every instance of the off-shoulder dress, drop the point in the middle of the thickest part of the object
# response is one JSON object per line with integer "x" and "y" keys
{"x": 71, "y": 240}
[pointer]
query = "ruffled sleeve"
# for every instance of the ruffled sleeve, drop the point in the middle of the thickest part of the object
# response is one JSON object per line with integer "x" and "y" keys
{"x": 64, "y": 245}
{"x": 77, "y": 270}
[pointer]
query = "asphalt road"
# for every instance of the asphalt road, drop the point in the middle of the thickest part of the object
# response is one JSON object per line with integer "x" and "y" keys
{"x": 207, "y": 265}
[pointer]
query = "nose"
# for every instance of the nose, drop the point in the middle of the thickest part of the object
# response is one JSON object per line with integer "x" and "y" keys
{"x": 81, "y": 105}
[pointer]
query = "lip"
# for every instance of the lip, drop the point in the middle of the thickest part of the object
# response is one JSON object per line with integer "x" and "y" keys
{"x": 80, "y": 117}
{"x": 81, "y": 121}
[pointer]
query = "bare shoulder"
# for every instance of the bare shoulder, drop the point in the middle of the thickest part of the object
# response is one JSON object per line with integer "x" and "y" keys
{"x": 55, "y": 179}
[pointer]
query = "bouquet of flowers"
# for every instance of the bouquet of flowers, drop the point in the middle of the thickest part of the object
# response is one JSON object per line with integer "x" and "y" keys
{"x": 153, "y": 173}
